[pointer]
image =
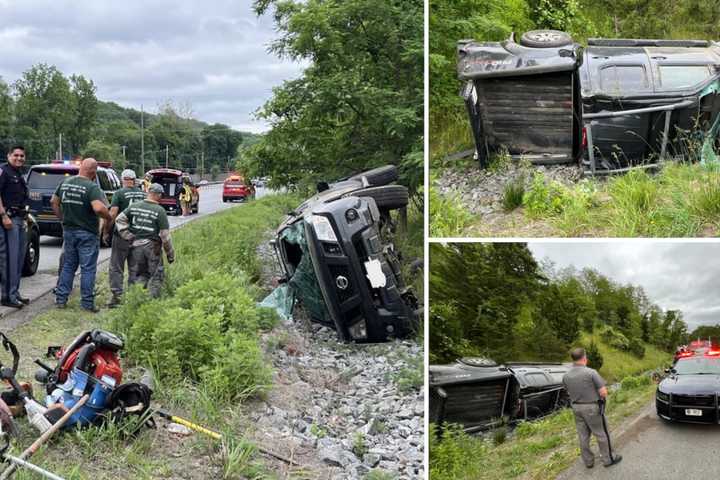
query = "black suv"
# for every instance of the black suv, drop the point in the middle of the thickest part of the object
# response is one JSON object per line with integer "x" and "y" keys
{"x": 612, "y": 105}
{"x": 42, "y": 180}
{"x": 689, "y": 393}
{"x": 478, "y": 394}
{"x": 339, "y": 261}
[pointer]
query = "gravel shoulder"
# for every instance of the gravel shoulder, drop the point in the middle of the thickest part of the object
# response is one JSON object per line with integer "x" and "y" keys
{"x": 335, "y": 408}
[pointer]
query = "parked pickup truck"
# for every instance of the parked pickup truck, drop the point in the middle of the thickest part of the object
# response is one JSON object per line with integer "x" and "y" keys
{"x": 339, "y": 260}
{"x": 611, "y": 105}
{"x": 478, "y": 394}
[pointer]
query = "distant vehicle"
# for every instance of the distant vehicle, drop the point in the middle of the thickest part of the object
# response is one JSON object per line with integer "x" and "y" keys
{"x": 236, "y": 188}
{"x": 479, "y": 394}
{"x": 172, "y": 182}
{"x": 612, "y": 105}
{"x": 336, "y": 251}
{"x": 689, "y": 393}
{"x": 42, "y": 180}
{"x": 203, "y": 182}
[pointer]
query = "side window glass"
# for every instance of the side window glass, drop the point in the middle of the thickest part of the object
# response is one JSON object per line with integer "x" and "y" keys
{"x": 683, "y": 76}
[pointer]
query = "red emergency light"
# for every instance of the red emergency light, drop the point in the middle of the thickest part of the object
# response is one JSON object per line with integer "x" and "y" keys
{"x": 712, "y": 352}
{"x": 686, "y": 354}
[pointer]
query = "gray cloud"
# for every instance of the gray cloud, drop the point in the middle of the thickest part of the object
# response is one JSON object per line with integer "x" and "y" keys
{"x": 211, "y": 54}
{"x": 675, "y": 275}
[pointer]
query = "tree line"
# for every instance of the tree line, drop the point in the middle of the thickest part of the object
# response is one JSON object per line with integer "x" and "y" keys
{"x": 359, "y": 102}
{"x": 494, "y": 20}
{"x": 496, "y": 300}
{"x": 49, "y": 113}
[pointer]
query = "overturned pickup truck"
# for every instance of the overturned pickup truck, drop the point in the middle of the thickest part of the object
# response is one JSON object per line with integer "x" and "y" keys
{"x": 614, "y": 105}
{"x": 479, "y": 394}
{"x": 340, "y": 263}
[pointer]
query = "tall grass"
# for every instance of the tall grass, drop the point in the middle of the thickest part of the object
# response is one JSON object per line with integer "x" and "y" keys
{"x": 448, "y": 218}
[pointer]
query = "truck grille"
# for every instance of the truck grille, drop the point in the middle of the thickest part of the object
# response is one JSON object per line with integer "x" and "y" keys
{"x": 694, "y": 400}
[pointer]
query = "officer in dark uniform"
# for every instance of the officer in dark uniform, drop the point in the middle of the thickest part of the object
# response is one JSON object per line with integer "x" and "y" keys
{"x": 587, "y": 392}
{"x": 13, "y": 211}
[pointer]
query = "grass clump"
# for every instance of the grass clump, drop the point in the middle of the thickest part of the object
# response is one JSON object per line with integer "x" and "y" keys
{"x": 545, "y": 198}
{"x": 513, "y": 194}
{"x": 447, "y": 217}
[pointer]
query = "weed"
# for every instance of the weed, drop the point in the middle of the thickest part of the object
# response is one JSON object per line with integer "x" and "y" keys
{"x": 499, "y": 435}
{"x": 513, "y": 193}
{"x": 359, "y": 447}
{"x": 500, "y": 162}
{"x": 447, "y": 217}
{"x": 237, "y": 459}
{"x": 377, "y": 474}
{"x": 411, "y": 375}
{"x": 317, "y": 431}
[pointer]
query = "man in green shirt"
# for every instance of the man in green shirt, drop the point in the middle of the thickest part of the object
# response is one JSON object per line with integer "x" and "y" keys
{"x": 78, "y": 202}
{"x": 145, "y": 225}
{"x": 120, "y": 252}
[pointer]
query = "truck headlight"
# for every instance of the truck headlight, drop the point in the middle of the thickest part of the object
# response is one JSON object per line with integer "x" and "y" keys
{"x": 358, "y": 331}
{"x": 323, "y": 229}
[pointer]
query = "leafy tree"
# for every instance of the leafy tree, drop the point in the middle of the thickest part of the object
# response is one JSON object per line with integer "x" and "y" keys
{"x": 595, "y": 358}
{"x": 358, "y": 104}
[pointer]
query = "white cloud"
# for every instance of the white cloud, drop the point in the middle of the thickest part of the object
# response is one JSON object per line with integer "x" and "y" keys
{"x": 212, "y": 54}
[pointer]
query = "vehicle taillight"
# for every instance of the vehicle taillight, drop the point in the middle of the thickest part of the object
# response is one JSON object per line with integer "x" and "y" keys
{"x": 584, "y": 138}
{"x": 713, "y": 352}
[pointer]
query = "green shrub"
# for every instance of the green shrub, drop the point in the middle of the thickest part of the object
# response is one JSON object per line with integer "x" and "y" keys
{"x": 447, "y": 216}
{"x": 238, "y": 370}
{"x": 631, "y": 383}
{"x": 545, "y": 198}
{"x": 614, "y": 338}
{"x": 637, "y": 348}
{"x": 595, "y": 358}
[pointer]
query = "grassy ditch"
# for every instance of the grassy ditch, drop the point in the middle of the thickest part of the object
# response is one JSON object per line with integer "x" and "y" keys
{"x": 542, "y": 449}
{"x": 536, "y": 450}
{"x": 682, "y": 200}
{"x": 202, "y": 339}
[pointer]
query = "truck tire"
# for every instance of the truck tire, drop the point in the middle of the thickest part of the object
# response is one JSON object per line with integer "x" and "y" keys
{"x": 387, "y": 197}
{"x": 32, "y": 254}
{"x": 378, "y": 176}
{"x": 545, "y": 39}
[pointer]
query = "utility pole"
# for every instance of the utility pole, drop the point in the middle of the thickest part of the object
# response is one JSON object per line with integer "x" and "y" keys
{"x": 167, "y": 155}
{"x": 60, "y": 149}
{"x": 202, "y": 164}
{"x": 124, "y": 158}
{"x": 142, "y": 139}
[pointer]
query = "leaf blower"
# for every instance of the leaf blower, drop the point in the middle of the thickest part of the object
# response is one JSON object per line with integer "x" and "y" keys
{"x": 89, "y": 365}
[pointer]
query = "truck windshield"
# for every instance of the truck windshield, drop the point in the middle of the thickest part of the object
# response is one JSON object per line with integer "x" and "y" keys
{"x": 46, "y": 180}
{"x": 698, "y": 366}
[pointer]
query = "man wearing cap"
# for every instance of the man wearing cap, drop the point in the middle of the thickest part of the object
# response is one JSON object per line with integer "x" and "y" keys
{"x": 145, "y": 226}
{"x": 78, "y": 202}
{"x": 121, "y": 200}
{"x": 13, "y": 212}
{"x": 587, "y": 392}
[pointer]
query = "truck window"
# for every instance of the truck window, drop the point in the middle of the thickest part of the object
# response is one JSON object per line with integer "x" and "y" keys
{"x": 619, "y": 79}
{"x": 683, "y": 76}
{"x": 105, "y": 183}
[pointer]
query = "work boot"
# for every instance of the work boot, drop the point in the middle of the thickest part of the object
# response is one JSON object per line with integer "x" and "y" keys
{"x": 23, "y": 300}
{"x": 114, "y": 301}
{"x": 616, "y": 459}
{"x": 12, "y": 303}
{"x": 91, "y": 309}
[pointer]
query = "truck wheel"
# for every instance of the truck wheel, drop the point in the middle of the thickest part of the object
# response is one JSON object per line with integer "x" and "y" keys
{"x": 32, "y": 254}
{"x": 545, "y": 39}
{"x": 378, "y": 176}
{"x": 387, "y": 197}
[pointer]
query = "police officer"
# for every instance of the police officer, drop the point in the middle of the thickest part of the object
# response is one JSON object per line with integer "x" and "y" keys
{"x": 145, "y": 225}
{"x": 587, "y": 392}
{"x": 78, "y": 202}
{"x": 121, "y": 200}
{"x": 13, "y": 211}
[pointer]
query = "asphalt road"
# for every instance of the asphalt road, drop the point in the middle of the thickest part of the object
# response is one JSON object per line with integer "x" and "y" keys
{"x": 655, "y": 449}
{"x": 50, "y": 248}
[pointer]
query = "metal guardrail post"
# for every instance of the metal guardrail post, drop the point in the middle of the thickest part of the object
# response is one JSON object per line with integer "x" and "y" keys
{"x": 666, "y": 132}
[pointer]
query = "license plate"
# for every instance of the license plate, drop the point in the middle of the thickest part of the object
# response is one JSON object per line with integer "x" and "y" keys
{"x": 692, "y": 412}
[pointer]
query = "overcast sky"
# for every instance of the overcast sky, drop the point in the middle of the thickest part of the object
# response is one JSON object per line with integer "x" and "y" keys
{"x": 683, "y": 276}
{"x": 211, "y": 54}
